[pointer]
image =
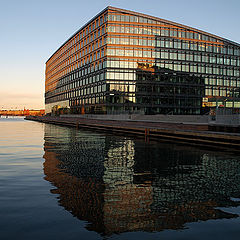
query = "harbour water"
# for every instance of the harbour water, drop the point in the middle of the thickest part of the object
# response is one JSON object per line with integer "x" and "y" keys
{"x": 63, "y": 183}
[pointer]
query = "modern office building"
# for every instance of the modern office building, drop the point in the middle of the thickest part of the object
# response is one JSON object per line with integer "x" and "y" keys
{"x": 123, "y": 62}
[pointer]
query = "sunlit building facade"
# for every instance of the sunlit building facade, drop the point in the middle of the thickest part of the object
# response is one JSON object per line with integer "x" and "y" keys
{"x": 126, "y": 62}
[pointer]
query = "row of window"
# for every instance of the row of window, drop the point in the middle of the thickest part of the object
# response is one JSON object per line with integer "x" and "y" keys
{"x": 54, "y": 73}
{"x": 141, "y": 100}
{"x": 78, "y": 55}
{"x": 84, "y": 46}
{"x": 143, "y": 30}
{"x": 78, "y": 51}
{"x": 69, "y": 95}
{"x": 171, "y": 30}
{"x": 79, "y": 42}
{"x": 130, "y": 91}
{"x": 125, "y": 70}
{"x": 168, "y": 55}
{"x": 145, "y": 53}
{"x": 83, "y": 41}
{"x": 95, "y": 24}
{"x": 218, "y": 88}
{"x": 174, "y": 55}
{"x": 82, "y": 71}
{"x": 208, "y": 68}
{"x": 176, "y": 66}
{"x": 171, "y": 43}
{"x": 71, "y": 65}
{"x": 174, "y": 31}
{"x": 91, "y": 99}
{"x": 146, "y": 42}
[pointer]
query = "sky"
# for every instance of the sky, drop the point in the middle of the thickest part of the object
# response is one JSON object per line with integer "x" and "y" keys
{"x": 31, "y": 30}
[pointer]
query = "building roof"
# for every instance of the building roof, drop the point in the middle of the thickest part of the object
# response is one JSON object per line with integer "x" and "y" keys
{"x": 149, "y": 17}
{"x": 172, "y": 23}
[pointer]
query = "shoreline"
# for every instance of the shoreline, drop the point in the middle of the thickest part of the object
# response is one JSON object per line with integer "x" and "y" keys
{"x": 182, "y": 132}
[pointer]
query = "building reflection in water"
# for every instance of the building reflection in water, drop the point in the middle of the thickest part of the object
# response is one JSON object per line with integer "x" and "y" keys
{"x": 118, "y": 184}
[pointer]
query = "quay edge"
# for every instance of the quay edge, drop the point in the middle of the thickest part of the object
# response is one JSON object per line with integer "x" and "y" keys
{"x": 200, "y": 134}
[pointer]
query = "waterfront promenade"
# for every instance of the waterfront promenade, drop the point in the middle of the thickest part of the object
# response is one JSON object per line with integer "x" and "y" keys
{"x": 194, "y": 133}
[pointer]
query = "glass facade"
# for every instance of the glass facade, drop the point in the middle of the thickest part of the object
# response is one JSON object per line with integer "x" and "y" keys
{"x": 125, "y": 62}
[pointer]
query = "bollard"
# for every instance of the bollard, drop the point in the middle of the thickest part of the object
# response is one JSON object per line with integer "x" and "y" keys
{"x": 147, "y": 134}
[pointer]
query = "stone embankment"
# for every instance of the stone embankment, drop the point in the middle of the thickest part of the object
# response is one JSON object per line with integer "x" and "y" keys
{"x": 199, "y": 133}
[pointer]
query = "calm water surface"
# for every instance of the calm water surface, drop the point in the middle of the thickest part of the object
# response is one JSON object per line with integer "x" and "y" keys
{"x": 62, "y": 183}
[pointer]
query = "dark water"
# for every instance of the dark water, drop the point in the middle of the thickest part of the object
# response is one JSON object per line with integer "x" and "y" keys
{"x": 62, "y": 183}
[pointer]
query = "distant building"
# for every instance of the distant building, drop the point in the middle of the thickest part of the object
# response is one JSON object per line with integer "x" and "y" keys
{"x": 25, "y": 112}
{"x": 122, "y": 61}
